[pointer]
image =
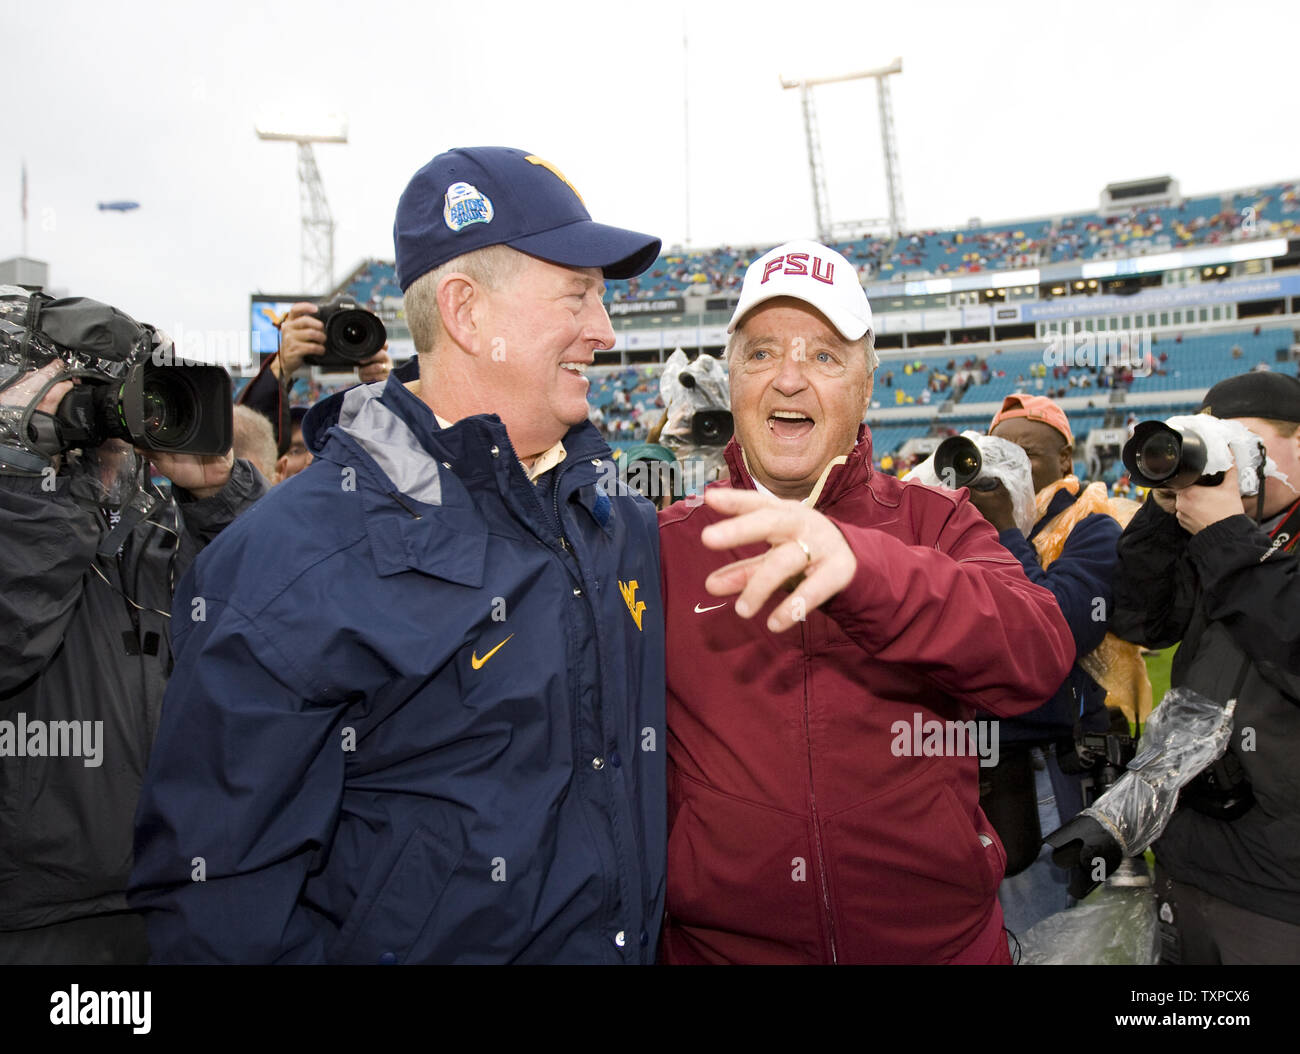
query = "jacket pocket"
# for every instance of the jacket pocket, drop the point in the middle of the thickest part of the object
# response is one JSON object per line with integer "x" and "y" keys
{"x": 395, "y": 903}
{"x": 742, "y": 881}
{"x": 912, "y": 881}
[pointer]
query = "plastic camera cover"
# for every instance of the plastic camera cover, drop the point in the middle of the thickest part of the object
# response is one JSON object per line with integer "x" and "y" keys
{"x": 683, "y": 402}
{"x": 1228, "y": 442}
{"x": 87, "y": 338}
{"x": 1183, "y": 736}
{"x": 1004, "y": 461}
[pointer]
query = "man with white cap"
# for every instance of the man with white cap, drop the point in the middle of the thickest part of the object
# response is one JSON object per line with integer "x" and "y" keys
{"x": 823, "y": 785}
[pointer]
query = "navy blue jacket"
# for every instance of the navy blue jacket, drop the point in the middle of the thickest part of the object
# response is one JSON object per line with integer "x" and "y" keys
{"x": 413, "y": 724}
{"x": 1080, "y": 579}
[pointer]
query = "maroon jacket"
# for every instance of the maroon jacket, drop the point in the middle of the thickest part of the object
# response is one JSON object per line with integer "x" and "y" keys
{"x": 796, "y": 833}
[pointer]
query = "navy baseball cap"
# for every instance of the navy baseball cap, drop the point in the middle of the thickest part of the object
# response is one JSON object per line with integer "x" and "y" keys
{"x": 473, "y": 197}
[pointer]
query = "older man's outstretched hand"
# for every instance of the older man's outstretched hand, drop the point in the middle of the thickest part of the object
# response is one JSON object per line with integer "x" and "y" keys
{"x": 808, "y": 553}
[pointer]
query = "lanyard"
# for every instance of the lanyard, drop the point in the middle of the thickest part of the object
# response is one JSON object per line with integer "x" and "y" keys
{"x": 1285, "y": 534}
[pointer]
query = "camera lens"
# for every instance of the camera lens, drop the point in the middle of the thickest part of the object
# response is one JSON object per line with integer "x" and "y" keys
{"x": 354, "y": 334}
{"x": 712, "y": 427}
{"x": 1157, "y": 458}
{"x": 957, "y": 462}
{"x": 169, "y": 405}
{"x": 1160, "y": 456}
{"x": 965, "y": 465}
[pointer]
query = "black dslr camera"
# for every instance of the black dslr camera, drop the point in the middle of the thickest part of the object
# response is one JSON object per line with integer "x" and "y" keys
{"x": 352, "y": 334}
{"x": 131, "y": 385}
{"x": 1160, "y": 456}
{"x": 1100, "y": 759}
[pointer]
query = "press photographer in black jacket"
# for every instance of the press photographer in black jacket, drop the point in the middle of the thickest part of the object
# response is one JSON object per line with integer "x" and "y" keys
{"x": 92, "y": 552}
{"x": 1197, "y": 566}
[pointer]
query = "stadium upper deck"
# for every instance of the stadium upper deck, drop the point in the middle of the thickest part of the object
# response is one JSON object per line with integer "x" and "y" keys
{"x": 1271, "y": 211}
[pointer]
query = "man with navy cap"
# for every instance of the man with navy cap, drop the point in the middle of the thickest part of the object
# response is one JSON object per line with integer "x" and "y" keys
{"x": 831, "y": 631}
{"x": 417, "y": 713}
{"x": 1217, "y": 571}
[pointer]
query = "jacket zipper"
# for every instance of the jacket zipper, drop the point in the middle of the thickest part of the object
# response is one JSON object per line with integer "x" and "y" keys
{"x": 566, "y": 548}
{"x": 555, "y": 497}
{"x": 143, "y": 727}
{"x": 812, "y": 798}
{"x": 599, "y": 709}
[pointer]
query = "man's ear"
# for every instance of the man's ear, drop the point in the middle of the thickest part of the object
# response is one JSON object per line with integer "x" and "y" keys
{"x": 866, "y": 399}
{"x": 280, "y": 466}
{"x": 1067, "y": 459}
{"x": 459, "y": 299}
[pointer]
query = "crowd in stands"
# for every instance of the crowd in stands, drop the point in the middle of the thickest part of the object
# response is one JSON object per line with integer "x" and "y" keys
{"x": 626, "y": 404}
{"x": 1272, "y": 211}
{"x": 1268, "y": 212}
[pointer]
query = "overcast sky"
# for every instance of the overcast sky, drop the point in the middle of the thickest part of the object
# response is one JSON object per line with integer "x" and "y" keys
{"x": 1003, "y": 110}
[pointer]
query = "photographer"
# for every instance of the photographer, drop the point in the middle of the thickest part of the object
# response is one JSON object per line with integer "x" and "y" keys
{"x": 1028, "y": 794}
{"x": 302, "y": 334}
{"x": 92, "y": 553}
{"x": 1204, "y": 566}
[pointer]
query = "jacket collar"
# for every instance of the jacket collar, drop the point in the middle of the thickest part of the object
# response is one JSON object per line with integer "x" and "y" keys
{"x": 467, "y": 444}
{"x": 399, "y": 433}
{"x": 1061, "y": 501}
{"x": 841, "y": 478}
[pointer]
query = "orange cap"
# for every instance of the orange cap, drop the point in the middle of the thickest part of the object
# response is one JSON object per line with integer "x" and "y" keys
{"x": 1036, "y": 408}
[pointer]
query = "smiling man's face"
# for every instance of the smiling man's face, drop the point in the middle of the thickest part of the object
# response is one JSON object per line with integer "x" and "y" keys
{"x": 540, "y": 332}
{"x": 799, "y": 391}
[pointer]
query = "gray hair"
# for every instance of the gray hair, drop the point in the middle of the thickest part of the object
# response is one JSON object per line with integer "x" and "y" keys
{"x": 491, "y": 266}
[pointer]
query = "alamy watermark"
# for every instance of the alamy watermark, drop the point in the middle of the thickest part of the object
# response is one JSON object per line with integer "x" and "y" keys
{"x": 206, "y": 347}
{"x": 945, "y": 739}
{"x": 1076, "y": 348}
{"x": 655, "y": 479}
{"x": 22, "y": 738}
{"x": 75, "y": 1007}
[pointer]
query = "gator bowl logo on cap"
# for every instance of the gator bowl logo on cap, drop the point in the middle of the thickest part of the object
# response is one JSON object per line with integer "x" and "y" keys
{"x": 463, "y": 205}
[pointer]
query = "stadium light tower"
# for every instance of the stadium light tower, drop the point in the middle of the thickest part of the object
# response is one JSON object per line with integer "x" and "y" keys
{"x": 827, "y": 230}
{"x": 317, "y": 221}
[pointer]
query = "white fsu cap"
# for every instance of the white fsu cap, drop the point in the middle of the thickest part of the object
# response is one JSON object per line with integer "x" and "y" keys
{"x": 813, "y": 273}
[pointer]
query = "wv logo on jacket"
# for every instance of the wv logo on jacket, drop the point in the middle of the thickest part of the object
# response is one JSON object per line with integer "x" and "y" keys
{"x": 636, "y": 607}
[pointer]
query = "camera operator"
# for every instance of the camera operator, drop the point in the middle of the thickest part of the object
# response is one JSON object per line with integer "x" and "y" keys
{"x": 1028, "y": 794}
{"x": 302, "y": 334}
{"x": 91, "y": 556}
{"x": 1203, "y": 567}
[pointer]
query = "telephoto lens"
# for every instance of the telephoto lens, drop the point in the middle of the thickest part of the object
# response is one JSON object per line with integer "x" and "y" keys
{"x": 182, "y": 409}
{"x": 957, "y": 462}
{"x": 1160, "y": 456}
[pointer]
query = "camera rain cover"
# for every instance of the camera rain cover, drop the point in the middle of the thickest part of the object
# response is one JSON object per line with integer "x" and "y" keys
{"x": 84, "y": 325}
{"x": 689, "y": 388}
{"x": 86, "y": 337}
{"x": 1184, "y": 735}
{"x": 1004, "y": 461}
{"x": 90, "y": 338}
{"x": 1229, "y": 442}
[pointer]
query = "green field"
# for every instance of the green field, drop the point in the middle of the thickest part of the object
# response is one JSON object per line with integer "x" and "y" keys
{"x": 1158, "y": 664}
